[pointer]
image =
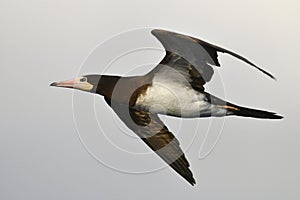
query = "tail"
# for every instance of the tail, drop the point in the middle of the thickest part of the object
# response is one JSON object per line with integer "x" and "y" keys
{"x": 249, "y": 112}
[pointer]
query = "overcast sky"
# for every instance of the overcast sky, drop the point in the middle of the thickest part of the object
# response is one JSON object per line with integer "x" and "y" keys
{"x": 45, "y": 155}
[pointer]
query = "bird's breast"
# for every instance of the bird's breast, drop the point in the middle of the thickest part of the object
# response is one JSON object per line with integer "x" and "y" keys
{"x": 172, "y": 99}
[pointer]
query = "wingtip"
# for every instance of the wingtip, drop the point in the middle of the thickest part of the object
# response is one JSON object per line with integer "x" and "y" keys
{"x": 271, "y": 76}
{"x": 278, "y": 116}
{"x": 193, "y": 182}
{"x": 265, "y": 72}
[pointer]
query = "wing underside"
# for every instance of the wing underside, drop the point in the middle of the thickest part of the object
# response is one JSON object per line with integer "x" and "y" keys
{"x": 202, "y": 55}
{"x": 156, "y": 135}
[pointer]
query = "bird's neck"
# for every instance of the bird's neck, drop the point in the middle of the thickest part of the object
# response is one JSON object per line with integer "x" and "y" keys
{"x": 106, "y": 85}
{"x": 124, "y": 90}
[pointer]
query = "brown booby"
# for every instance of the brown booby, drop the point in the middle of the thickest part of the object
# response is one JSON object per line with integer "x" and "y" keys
{"x": 174, "y": 87}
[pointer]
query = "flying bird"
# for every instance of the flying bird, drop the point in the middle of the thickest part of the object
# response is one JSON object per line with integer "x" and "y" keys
{"x": 175, "y": 87}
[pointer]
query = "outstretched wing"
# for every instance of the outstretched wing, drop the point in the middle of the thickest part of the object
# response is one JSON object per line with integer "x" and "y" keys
{"x": 156, "y": 135}
{"x": 178, "y": 69}
{"x": 198, "y": 53}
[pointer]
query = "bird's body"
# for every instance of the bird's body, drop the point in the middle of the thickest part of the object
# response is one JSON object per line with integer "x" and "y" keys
{"x": 175, "y": 98}
{"x": 172, "y": 100}
{"x": 174, "y": 87}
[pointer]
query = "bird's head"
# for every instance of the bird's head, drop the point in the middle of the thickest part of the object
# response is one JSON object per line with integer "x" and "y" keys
{"x": 87, "y": 83}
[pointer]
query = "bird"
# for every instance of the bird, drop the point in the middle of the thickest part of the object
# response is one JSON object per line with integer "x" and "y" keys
{"x": 174, "y": 87}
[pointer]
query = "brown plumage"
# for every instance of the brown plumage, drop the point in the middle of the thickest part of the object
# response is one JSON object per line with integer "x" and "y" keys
{"x": 177, "y": 85}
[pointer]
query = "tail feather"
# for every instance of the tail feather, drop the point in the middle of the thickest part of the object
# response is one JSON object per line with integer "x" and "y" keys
{"x": 249, "y": 112}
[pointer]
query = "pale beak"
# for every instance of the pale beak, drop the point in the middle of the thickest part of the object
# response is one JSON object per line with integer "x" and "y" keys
{"x": 67, "y": 84}
{"x": 74, "y": 83}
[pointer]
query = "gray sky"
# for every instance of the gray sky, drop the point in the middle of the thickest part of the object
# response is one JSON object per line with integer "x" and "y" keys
{"x": 41, "y": 154}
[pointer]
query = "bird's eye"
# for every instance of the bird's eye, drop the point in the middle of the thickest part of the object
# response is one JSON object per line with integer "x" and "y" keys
{"x": 83, "y": 79}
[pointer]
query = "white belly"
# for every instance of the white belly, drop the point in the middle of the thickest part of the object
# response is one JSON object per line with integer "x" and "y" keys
{"x": 173, "y": 99}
